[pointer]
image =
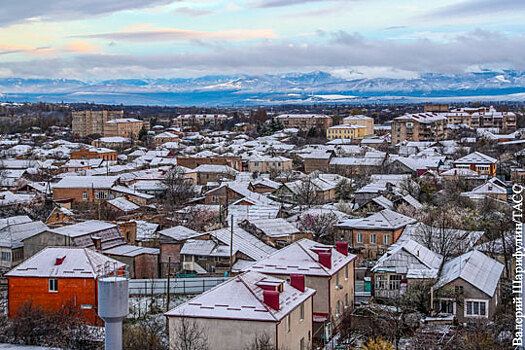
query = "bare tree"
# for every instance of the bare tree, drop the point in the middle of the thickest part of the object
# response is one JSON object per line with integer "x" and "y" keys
{"x": 261, "y": 342}
{"x": 189, "y": 335}
{"x": 320, "y": 225}
{"x": 145, "y": 335}
{"x": 306, "y": 193}
{"x": 179, "y": 188}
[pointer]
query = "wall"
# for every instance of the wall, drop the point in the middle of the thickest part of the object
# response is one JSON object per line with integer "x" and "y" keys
{"x": 79, "y": 291}
{"x": 290, "y": 340}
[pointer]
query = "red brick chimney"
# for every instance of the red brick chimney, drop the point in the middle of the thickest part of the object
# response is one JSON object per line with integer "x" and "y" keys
{"x": 297, "y": 281}
{"x": 271, "y": 298}
{"x": 60, "y": 260}
{"x": 325, "y": 259}
{"x": 342, "y": 247}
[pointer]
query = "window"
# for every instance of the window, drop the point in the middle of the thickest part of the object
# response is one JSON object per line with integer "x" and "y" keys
{"x": 53, "y": 285}
{"x": 288, "y": 323}
{"x": 386, "y": 239}
{"x": 381, "y": 282}
{"x": 57, "y": 216}
{"x": 483, "y": 167}
{"x": 346, "y": 272}
{"x": 338, "y": 308}
{"x": 346, "y": 300}
{"x": 394, "y": 283}
{"x": 337, "y": 279}
{"x": 476, "y": 308}
{"x": 214, "y": 199}
{"x": 301, "y": 312}
{"x": 6, "y": 256}
{"x": 86, "y": 306}
{"x": 373, "y": 238}
{"x": 444, "y": 306}
{"x": 84, "y": 195}
{"x": 302, "y": 344}
{"x": 359, "y": 238}
{"x": 101, "y": 195}
{"x": 458, "y": 289}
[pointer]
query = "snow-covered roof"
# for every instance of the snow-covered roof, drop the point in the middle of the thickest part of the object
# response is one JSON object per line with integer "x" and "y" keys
{"x": 244, "y": 242}
{"x": 12, "y": 234}
{"x": 300, "y": 257}
{"x": 97, "y": 182}
{"x": 75, "y": 263}
{"x": 179, "y": 233}
{"x": 146, "y": 230}
{"x": 123, "y": 204}
{"x": 241, "y": 298}
{"x": 83, "y": 228}
{"x": 475, "y": 268}
{"x": 131, "y": 250}
{"x": 275, "y": 227}
{"x": 383, "y": 220}
{"x": 476, "y": 158}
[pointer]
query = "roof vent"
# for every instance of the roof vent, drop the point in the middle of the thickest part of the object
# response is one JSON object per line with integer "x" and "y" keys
{"x": 60, "y": 260}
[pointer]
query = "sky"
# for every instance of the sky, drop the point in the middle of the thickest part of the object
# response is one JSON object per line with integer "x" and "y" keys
{"x": 95, "y": 40}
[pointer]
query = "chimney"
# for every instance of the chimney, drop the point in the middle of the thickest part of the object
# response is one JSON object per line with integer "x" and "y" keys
{"x": 60, "y": 260}
{"x": 325, "y": 259}
{"x": 297, "y": 281}
{"x": 342, "y": 247}
{"x": 271, "y": 298}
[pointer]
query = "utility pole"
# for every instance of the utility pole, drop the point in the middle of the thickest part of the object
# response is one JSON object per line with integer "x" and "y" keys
{"x": 168, "y": 288}
{"x": 231, "y": 244}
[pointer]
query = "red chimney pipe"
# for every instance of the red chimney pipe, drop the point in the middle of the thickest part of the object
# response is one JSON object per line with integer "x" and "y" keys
{"x": 325, "y": 259}
{"x": 342, "y": 247}
{"x": 271, "y": 298}
{"x": 297, "y": 281}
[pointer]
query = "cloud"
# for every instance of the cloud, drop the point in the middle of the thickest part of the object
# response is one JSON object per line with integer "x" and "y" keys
{"x": 283, "y": 3}
{"x": 7, "y": 49}
{"x": 169, "y": 34}
{"x": 192, "y": 12}
{"x": 341, "y": 51}
{"x": 395, "y": 27}
{"x": 80, "y": 47}
{"x": 13, "y": 12}
{"x": 477, "y": 7}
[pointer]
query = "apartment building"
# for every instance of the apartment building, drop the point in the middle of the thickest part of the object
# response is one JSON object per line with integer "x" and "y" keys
{"x": 86, "y": 123}
{"x": 305, "y": 121}
{"x": 236, "y": 312}
{"x": 419, "y": 127}
{"x": 199, "y": 119}
{"x": 361, "y": 120}
{"x": 123, "y": 127}
{"x": 346, "y": 132}
{"x": 483, "y": 117}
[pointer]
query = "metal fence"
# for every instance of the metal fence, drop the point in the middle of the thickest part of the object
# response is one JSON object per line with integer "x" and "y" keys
{"x": 181, "y": 286}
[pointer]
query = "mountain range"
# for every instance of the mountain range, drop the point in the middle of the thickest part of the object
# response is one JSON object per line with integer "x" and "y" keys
{"x": 290, "y": 88}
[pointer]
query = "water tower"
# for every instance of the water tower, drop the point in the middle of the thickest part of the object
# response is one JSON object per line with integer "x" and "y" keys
{"x": 113, "y": 295}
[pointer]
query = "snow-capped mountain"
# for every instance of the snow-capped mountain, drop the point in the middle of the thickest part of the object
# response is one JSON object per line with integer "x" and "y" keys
{"x": 266, "y": 89}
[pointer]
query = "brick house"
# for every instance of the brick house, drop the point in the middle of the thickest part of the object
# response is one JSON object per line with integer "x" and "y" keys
{"x": 371, "y": 236}
{"x": 479, "y": 162}
{"x": 57, "y": 276}
{"x": 94, "y": 153}
{"x": 85, "y": 189}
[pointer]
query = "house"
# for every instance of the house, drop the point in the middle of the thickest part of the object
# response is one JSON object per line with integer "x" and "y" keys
{"x": 165, "y": 137}
{"x": 372, "y": 236}
{"x": 171, "y": 240}
{"x": 405, "y": 263}
{"x": 475, "y": 278}
{"x": 84, "y": 189}
{"x": 13, "y": 231}
{"x": 267, "y": 164}
{"x": 57, "y": 276}
{"x": 275, "y": 232}
{"x": 328, "y": 270}
{"x": 192, "y": 162}
{"x": 479, "y": 162}
{"x": 318, "y": 160}
{"x": 238, "y": 311}
{"x": 142, "y": 262}
{"x": 94, "y": 153}
{"x": 60, "y": 216}
{"x": 205, "y": 173}
{"x": 494, "y": 188}
{"x": 236, "y": 193}
{"x": 346, "y": 132}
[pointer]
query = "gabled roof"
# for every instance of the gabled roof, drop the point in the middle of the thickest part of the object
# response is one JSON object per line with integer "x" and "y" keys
{"x": 123, "y": 204}
{"x": 13, "y": 234}
{"x": 476, "y": 158}
{"x": 241, "y": 298}
{"x": 275, "y": 227}
{"x": 299, "y": 257}
{"x": 77, "y": 263}
{"x": 475, "y": 268}
{"x": 97, "y": 182}
{"x": 179, "y": 233}
{"x": 411, "y": 259}
{"x": 383, "y": 220}
{"x": 243, "y": 242}
{"x": 84, "y": 228}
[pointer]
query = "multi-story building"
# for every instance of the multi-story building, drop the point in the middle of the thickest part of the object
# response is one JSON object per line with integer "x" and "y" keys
{"x": 346, "y": 131}
{"x": 86, "y": 123}
{"x": 361, "y": 120}
{"x": 327, "y": 269}
{"x": 123, "y": 127}
{"x": 419, "y": 127}
{"x": 436, "y": 108}
{"x": 266, "y": 164}
{"x": 199, "y": 119}
{"x": 483, "y": 117}
{"x": 305, "y": 121}
{"x": 239, "y": 311}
